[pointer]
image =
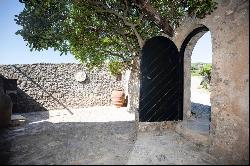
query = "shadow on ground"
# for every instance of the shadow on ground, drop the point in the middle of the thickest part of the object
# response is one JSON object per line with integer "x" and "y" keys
{"x": 68, "y": 143}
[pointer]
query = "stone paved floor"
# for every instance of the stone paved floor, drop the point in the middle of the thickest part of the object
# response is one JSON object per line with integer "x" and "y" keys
{"x": 168, "y": 147}
{"x": 44, "y": 139}
{"x": 68, "y": 143}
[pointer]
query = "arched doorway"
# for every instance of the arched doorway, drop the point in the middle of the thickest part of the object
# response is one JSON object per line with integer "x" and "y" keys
{"x": 186, "y": 50}
{"x": 160, "y": 95}
{"x": 165, "y": 78}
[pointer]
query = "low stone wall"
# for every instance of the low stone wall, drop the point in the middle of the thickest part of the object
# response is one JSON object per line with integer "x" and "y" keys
{"x": 53, "y": 86}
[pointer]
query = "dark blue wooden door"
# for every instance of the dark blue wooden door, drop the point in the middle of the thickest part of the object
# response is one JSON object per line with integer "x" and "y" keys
{"x": 160, "y": 84}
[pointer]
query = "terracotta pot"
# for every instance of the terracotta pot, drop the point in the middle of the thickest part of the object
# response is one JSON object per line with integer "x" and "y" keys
{"x": 5, "y": 110}
{"x": 118, "y": 98}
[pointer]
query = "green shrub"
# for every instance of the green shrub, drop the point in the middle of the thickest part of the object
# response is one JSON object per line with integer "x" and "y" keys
{"x": 205, "y": 72}
{"x": 194, "y": 70}
{"x": 115, "y": 67}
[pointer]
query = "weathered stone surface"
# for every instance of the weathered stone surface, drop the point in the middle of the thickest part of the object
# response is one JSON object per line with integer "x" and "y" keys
{"x": 168, "y": 148}
{"x": 229, "y": 27}
{"x": 53, "y": 86}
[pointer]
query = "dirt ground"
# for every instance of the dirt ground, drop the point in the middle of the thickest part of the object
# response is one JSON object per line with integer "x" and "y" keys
{"x": 44, "y": 139}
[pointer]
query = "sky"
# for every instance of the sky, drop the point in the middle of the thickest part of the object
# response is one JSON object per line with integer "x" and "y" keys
{"x": 13, "y": 49}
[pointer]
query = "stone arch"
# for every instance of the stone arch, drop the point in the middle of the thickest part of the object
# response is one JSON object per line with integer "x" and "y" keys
{"x": 186, "y": 50}
{"x": 229, "y": 28}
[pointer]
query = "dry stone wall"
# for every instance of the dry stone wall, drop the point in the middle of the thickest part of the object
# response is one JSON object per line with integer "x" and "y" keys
{"x": 53, "y": 86}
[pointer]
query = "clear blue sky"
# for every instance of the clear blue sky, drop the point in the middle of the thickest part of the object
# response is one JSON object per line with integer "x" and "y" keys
{"x": 203, "y": 49}
{"x": 13, "y": 49}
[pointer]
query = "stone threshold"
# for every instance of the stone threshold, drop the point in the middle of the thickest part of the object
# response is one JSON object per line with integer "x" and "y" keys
{"x": 180, "y": 127}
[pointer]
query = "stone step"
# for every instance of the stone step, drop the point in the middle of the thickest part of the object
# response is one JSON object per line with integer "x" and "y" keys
{"x": 156, "y": 126}
{"x": 196, "y": 131}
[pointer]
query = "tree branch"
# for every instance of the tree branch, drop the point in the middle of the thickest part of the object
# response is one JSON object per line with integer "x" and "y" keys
{"x": 162, "y": 23}
{"x": 113, "y": 53}
{"x": 126, "y": 8}
{"x": 108, "y": 10}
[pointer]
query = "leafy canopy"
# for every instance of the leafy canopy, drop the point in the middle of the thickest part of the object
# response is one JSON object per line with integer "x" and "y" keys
{"x": 99, "y": 31}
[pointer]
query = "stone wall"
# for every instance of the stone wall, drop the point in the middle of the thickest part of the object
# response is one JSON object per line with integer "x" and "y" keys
{"x": 53, "y": 86}
{"x": 229, "y": 27}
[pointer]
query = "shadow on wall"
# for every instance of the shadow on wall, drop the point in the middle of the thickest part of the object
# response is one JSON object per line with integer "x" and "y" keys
{"x": 74, "y": 143}
{"x": 24, "y": 96}
{"x": 20, "y": 106}
{"x": 25, "y": 102}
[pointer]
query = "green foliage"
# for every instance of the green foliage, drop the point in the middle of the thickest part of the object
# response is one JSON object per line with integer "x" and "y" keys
{"x": 194, "y": 67}
{"x": 116, "y": 68}
{"x": 201, "y": 8}
{"x": 194, "y": 70}
{"x": 101, "y": 31}
{"x": 195, "y": 73}
{"x": 205, "y": 71}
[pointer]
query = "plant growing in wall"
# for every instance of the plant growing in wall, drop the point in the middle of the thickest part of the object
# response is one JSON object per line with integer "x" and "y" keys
{"x": 103, "y": 31}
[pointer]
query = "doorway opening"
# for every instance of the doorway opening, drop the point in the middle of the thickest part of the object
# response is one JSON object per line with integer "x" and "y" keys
{"x": 201, "y": 67}
{"x": 197, "y": 63}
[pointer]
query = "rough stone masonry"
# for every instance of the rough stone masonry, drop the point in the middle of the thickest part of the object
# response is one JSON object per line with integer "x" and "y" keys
{"x": 53, "y": 86}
